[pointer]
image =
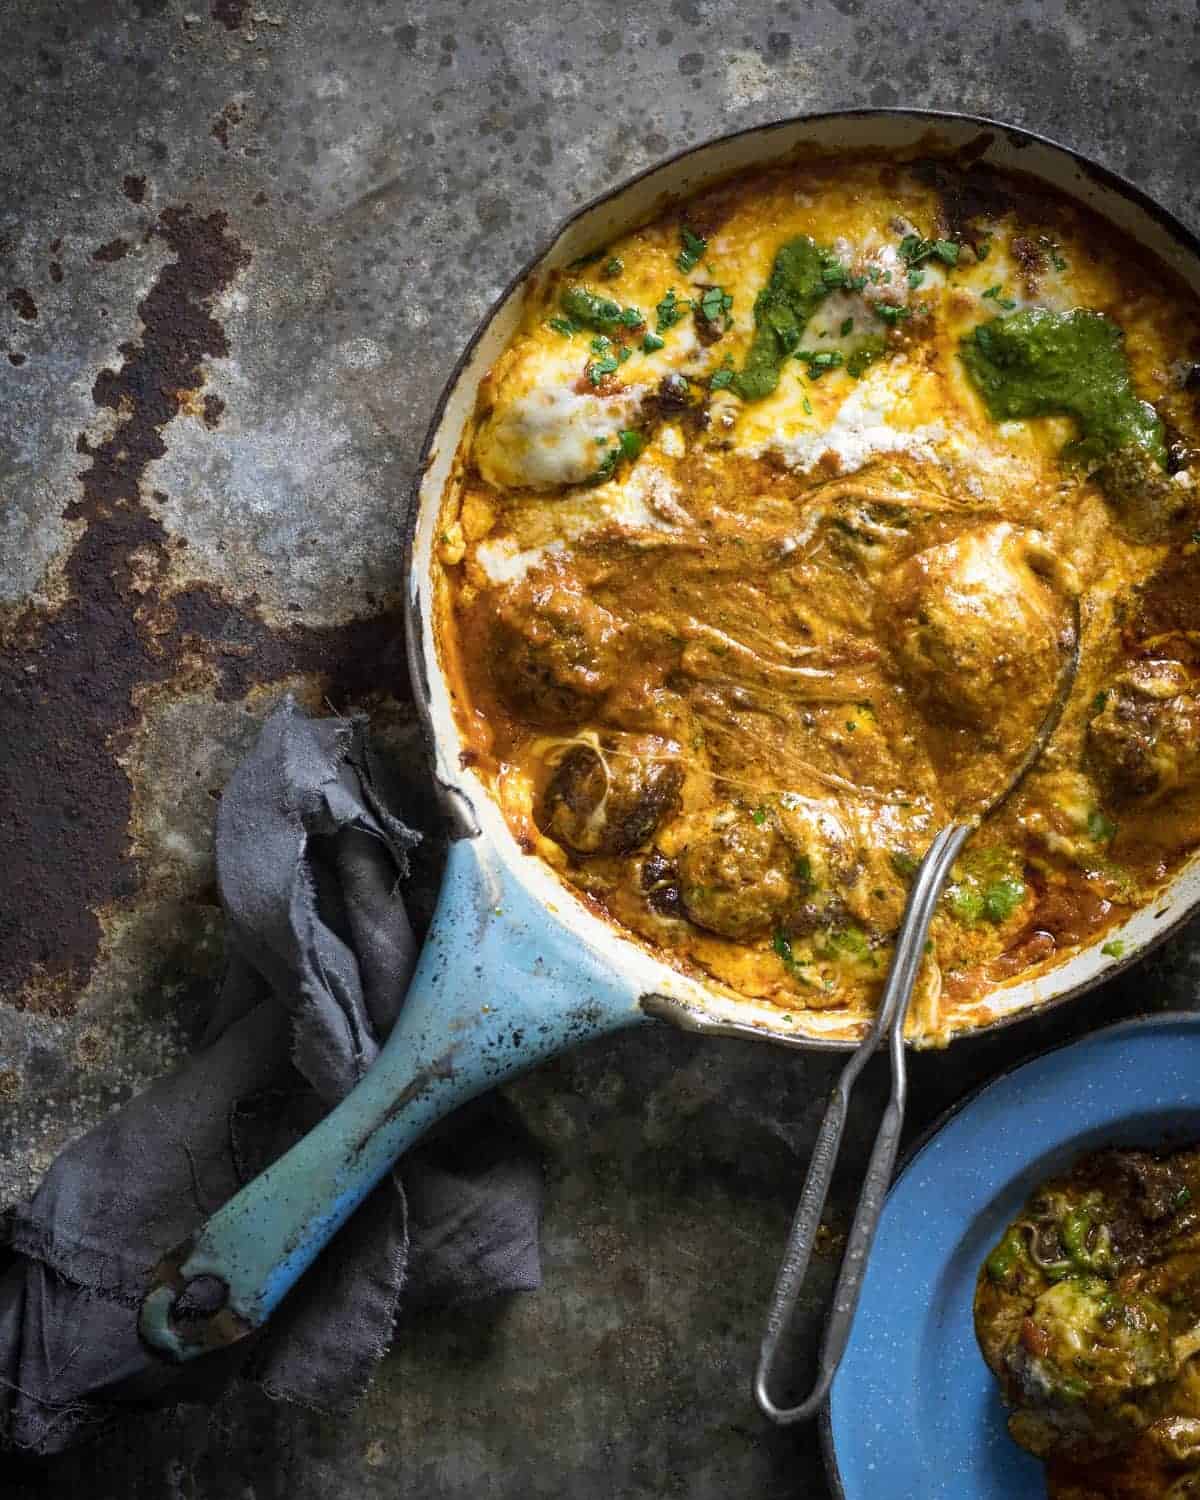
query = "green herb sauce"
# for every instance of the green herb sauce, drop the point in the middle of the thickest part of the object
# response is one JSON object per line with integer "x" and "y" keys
{"x": 1039, "y": 363}
{"x": 798, "y": 284}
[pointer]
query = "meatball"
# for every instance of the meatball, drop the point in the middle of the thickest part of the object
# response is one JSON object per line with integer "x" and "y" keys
{"x": 1084, "y": 1355}
{"x": 554, "y": 652}
{"x": 743, "y": 872}
{"x": 974, "y": 624}
{"x": 610, "y": 798}
{"x": 1146, "y": 738}
{"x": 738, "y": 874}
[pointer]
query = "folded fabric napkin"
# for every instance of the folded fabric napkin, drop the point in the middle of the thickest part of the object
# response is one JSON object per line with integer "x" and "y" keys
{"x": 311, "y": 866}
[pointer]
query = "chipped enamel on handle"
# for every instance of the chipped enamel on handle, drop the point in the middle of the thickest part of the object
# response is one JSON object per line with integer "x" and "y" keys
{"x": 500, "y": 986}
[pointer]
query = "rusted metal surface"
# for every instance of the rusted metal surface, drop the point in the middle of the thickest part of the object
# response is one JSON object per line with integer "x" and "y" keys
{"x": 240, "y": 246}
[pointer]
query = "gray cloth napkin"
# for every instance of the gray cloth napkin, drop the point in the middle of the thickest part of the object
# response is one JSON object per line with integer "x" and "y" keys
{"x": 310, "y": 864}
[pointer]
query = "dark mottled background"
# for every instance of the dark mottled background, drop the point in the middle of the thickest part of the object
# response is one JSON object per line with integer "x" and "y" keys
{"x": 240, "y": 246}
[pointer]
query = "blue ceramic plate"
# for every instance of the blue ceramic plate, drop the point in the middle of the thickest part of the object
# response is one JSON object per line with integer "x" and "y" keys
{"x": 915, "y": 1414}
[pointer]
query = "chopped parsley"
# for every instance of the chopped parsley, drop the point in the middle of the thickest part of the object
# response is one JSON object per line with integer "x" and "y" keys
{"x": 820, "y": 363}
{"x": 914, "y": 250}
{"x": 847, "y": 326}
{"x": 808, "y": 411}
{"x": 983, "y": 249}
{"x": 993, "y": 292}
{"x": 590, "y": 309}
{"x": 759, "y": 816}
{"x": 782, "y": 946}
{"x": 890, "y": 314}
{"x": 597, "y": 369}
{"x": 802, "y": 870}
{"x": 1099, "y": 701}
{"x": 1114, "y": 948}
{"x": 722, "y": 378}
{"x": 715, "y": 304}
{"x": 600, "y": 343}
{"x": 632, "y": 317}
{"x": 565, "y": 326}
{"x": 670, "y": 311}
{"x": 652, "y": 342}
{"x": 693, "y": 250}
{"x": 629, "y": 445}
{"x": 613, "y": 266}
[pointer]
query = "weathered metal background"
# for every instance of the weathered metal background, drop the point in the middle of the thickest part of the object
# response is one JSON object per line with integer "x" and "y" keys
{"x": 240, "y": 246}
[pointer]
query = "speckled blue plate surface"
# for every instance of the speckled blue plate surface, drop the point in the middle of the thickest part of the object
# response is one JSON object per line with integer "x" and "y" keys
{"x": 915, "y": 1413}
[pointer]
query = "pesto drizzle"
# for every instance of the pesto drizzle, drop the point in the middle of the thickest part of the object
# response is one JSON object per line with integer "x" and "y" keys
{"x": 801, "y": 278}
{"x": 1039, "y": 363}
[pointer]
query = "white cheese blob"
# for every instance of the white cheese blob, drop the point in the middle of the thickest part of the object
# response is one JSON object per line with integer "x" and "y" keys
{"x": 860, "y": 429}
{"x": 552, "y": 435}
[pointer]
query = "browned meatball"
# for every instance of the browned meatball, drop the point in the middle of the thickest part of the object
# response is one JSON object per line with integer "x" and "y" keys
{"x": 739, "y": 875}
{"x": 609, "y": 799}
{"x": 974, "y": 624}
{"x": 1146, "y": 738}
{"x": 554, "y": 652}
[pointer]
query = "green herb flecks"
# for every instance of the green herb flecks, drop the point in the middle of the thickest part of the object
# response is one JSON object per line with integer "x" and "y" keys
{"x": 590, "y": 309}
{"x": 613, "y": 266}
{"x": 820, "y": 363}
{"x": 693, "y": 250}
{"x": 723, "y": 378}
{"x": 1039, "y": 363}
{"x": 914, "y": 250}
{"x": 860, "y": 360}
{"x": 670, "y": 311}
{"x": 995, "y": 294}
{"x": 988, "y": 887}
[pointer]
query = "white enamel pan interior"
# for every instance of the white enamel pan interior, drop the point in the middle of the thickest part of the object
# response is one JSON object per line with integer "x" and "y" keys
{"x": 472, "y": 811}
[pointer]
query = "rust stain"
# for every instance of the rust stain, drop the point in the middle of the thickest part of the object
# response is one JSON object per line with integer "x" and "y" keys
{"x": 14, "y": 358}
{"x": 134, "y": 188}
{"x": 116, "y": 249}
{"x": 71, "y": 681}
{"x": 230, "y": 115}
{"x": 22, "y": 304}
{"x": 212, "y": 409}
{"x": 229, "y": 12}
{"x": 56, "y": 272}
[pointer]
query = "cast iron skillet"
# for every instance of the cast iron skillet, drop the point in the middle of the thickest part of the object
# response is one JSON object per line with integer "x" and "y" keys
{"x": 515, "y": 967}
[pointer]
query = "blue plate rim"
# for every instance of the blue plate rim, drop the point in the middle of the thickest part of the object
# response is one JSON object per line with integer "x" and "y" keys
{"x": 1146, "y": 1022}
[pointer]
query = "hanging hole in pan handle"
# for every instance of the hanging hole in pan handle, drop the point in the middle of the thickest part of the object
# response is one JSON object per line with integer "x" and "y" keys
{"x": 889, "y": 1021}
{"x": 183, "y": 1315}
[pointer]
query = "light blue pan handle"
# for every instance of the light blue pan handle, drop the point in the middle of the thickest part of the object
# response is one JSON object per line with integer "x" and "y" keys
{"x": 501, "y": 985}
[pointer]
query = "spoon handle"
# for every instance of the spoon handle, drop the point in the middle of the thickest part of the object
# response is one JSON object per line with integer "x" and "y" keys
{"x": 889, "y": 1021}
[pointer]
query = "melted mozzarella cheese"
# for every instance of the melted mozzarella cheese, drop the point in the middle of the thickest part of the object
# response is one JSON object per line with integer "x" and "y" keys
{"x": 552, "y": 435}
{"x": 871, "y": 420}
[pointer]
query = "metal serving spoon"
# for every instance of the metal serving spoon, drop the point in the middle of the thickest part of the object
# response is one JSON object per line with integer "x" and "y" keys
{"x": 889, "y": 1022}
